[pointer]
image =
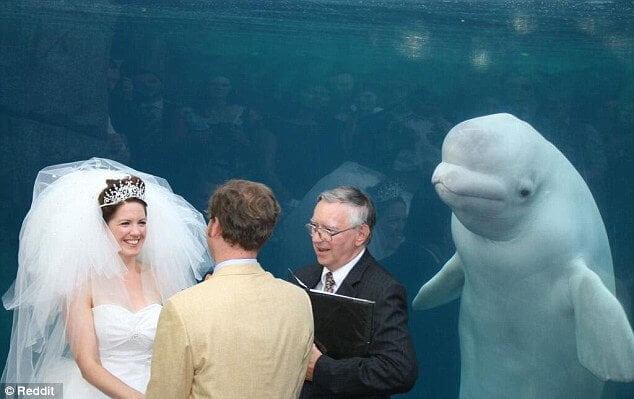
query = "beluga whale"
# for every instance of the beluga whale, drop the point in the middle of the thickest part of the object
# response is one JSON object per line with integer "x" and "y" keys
{"x": 532, "y": 268}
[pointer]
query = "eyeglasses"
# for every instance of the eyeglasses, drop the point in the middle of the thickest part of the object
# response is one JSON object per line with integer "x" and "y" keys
{"x": 324, "y": 233}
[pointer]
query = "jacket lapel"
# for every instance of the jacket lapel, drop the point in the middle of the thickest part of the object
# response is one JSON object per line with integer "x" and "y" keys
{"x": 350, "y": 283}
{"x": 310, "y": 275}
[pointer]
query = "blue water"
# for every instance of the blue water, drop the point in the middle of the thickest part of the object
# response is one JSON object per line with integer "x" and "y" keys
{"x": 291, "y": 92}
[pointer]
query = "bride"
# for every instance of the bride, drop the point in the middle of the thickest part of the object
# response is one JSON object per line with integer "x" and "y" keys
{"x": 101, "y": 248}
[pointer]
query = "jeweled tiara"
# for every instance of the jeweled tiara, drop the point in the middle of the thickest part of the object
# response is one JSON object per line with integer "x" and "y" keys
{"x": 123, "y": 191}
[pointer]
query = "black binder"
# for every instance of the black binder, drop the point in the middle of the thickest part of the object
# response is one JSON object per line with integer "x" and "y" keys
{"x": 343, "y": 324}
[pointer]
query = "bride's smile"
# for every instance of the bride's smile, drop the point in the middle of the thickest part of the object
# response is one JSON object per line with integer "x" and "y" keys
{"x": 128, "y": 225}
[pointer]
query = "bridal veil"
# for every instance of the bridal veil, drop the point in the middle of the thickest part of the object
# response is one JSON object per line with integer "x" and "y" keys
{"x": 66, "y": 248}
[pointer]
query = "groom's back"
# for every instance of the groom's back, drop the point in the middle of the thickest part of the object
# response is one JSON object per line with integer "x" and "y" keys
{"x": 249, "y": 334}
{"x": 241, "y": 333}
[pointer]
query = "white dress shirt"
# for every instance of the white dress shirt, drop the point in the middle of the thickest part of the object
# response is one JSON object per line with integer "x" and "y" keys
{"x": 340, "y": 274}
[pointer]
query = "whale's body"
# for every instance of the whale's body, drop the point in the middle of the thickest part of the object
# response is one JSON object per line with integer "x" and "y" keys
{"x": 538, "y": 315}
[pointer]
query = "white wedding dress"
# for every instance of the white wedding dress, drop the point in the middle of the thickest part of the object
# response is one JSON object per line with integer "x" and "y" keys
{"x": 125, "y": 349}
{"x": 61, "y": 261}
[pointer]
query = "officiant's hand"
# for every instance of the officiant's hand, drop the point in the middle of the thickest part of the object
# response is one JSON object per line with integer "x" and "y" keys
{"x": 314, "y": 355}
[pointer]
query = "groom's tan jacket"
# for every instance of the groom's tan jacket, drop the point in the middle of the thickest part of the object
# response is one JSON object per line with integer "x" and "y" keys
{"x": 240, "y": 334}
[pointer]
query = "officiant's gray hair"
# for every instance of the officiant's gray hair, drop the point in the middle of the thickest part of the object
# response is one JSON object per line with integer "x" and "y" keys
{"x": 364, "y": 209}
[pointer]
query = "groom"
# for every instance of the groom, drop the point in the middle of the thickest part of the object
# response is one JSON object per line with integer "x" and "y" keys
{"x": 242, "y": 333}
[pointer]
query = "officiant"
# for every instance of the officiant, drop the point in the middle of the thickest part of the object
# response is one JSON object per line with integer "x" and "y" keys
{"x": 340, "y": 229}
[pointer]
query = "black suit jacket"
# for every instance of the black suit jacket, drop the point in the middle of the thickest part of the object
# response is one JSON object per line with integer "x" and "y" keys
{"x": 390, "y": 366}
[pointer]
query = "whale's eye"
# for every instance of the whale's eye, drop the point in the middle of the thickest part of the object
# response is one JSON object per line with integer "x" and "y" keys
{"x": 525, "y": 192}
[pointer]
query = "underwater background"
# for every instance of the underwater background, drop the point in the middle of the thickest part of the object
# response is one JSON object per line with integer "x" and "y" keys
{"x": 306, "y": 95}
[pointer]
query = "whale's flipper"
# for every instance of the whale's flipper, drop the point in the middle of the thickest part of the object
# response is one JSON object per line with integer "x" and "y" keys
{"x": 444, "y": 287}
{"x": 605, "y": 341}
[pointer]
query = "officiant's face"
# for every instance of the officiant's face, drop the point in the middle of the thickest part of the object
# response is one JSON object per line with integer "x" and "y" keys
{"x": 334, "y": 252}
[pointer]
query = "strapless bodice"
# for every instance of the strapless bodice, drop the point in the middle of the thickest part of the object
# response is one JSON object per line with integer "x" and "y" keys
{"x": 125, "y": 348}
{"x": 121, "y": 332}
{"x": 125, "y": 341}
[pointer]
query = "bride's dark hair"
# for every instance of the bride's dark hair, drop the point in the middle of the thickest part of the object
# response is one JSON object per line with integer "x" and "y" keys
{"x": 107, "y": 211}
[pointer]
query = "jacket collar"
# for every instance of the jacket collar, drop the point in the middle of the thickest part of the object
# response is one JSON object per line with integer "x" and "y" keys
{"x": 249, "y": 268}
{"x": 350, "y": 283}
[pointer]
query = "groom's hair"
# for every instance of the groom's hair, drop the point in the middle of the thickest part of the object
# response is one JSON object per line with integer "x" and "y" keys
{"x": 247, "y": 212}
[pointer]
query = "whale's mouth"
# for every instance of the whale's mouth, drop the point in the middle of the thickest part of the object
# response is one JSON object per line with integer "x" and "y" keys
{"x": 480, "y": 194}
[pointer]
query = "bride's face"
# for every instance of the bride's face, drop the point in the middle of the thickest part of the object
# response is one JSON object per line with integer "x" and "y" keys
{"x": 128, "y": 227}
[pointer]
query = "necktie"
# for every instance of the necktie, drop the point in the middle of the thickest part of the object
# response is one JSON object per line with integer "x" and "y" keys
{"x": 329, "y": 286}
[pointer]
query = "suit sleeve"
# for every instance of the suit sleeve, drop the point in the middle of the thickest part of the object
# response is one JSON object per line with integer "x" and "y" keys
{"x": 390, "y": 366}
{"x": 172, "y": 366}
